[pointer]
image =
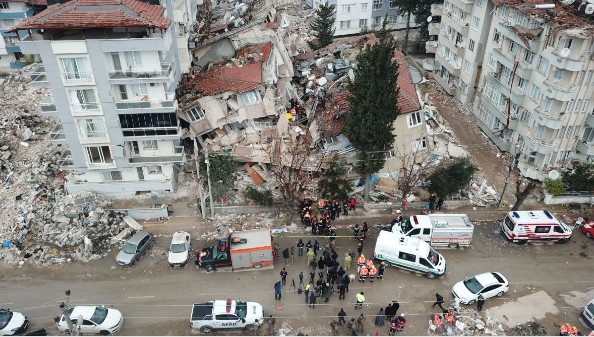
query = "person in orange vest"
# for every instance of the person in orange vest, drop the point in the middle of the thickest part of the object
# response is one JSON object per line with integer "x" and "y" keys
{"x": 573, "y": 331}
{"x": 372, "y": 273}
{"x": 437, "y": 320}
{"x": 564, "y": 330}
{"x": 363, "y": 274}
{"x": 360, "y": 262}
{"x": 369, "y": 263}
{"x": 449, "y": 317}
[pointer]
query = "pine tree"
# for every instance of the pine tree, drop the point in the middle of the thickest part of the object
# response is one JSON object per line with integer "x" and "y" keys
{"x": 452, "y": 176}
{"x": 333, "y": 184}
{"x": 372, "y": 106}
{"x": 323, "y": 25}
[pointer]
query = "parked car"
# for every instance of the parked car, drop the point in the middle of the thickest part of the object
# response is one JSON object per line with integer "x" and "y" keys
{"x": 12, "y": 323}
{"x": 181, "y": 245}
{"x": 486, "y": 284}
{"x": 133, "y": 249}
{"x": 95, "y": 319}
{"x": 588, "y": 229}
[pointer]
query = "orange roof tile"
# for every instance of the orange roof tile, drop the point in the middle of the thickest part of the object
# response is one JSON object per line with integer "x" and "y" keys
{"x": 88, "y": 14}
{"x": 243, "y": 75}
{"x": 408, "y": 100}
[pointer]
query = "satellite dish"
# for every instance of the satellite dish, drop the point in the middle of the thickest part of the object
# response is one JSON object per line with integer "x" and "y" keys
{"x": 565, "y": 52}
{"x": 554, "y": 174}
{"x": 429, "y": 18}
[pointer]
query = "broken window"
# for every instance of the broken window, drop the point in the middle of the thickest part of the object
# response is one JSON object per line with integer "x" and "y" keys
{"x": 195, "y": 113}
{"x": 99, "y": 154}
{"x": 419, "y": 144}
{"x": 249, "y": 98}
{"x": 588, "y": 136}
{"x": 502, "y": 12}
{"x": 497, "y": 36}
{"x": 521, "y": 83}
{"x": 112, "y": 175}
{"x": 471, "y": 45}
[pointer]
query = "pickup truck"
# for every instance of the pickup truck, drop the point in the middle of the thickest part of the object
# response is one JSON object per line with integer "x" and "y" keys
{"x": 226, "y": 314}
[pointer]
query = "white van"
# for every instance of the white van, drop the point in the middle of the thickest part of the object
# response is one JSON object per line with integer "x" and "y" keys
{"x": 445, "y": 230}
{"x": 588, "y": 314}
{"x": 534, "y": 226}
{"x": 409, "y": 253}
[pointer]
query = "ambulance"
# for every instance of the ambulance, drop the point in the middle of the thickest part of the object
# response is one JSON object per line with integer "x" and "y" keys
{"x": 534, "y": 226}
{"x": 445, "y": 230}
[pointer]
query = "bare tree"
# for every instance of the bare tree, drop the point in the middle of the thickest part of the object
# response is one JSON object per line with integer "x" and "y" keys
{"x": 412, "y": 171}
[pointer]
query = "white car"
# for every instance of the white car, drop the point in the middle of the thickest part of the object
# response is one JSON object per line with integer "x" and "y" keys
{"x": 181, "y": 245}
{"x": 486, "y": 284}
{"x": 95, "y": 319}
{"x": 12, "y": 323}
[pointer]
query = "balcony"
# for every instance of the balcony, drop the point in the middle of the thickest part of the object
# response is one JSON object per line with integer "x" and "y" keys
{"x": 559, "y": 91}
{"x": 590, "y": 120}
{"x": 13, "y": 48}
{"x": 530, "y": 171}
{"x": 78, "y": 77}
{"x": 448, "y": 63}
{"x": 434, "y": 28}
{"x": 585, "y": 148}
{"x": 161, "y": 105}
{"x": 85, "y": 109}
{"x": 549, "y": 121}
{"x": 48, "y": 105}
{"x": 542, "y": 146}
{"x": 431, "y": 47}
{"x": 517, "y": 95}
{"x": 436, "y": 10}
{"x": 65, "y": 161}
{"x": 178, "y": 157}
{"x": 461, "y": 26}
{"x": 17, "y": 15}
{"x": 572, "y": 62}
{"x": 57, "y": 134}
{"x": 38, "y": 76}
{"x": 17, "y": 65}
{"x": 141, "y": 76}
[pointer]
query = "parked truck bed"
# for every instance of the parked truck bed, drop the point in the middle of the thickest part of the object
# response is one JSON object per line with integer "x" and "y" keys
{"x": 201, "y": 310}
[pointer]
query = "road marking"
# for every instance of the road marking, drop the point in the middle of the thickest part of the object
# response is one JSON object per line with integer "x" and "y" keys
{"x": 138, "y": 297}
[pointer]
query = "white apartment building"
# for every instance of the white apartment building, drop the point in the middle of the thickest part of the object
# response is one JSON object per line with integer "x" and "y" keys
{"x": 11, "y": 13}
{"x": 112, "y": 67}
{"x": 356, "y": 16}
{"x": 526, "y": 70}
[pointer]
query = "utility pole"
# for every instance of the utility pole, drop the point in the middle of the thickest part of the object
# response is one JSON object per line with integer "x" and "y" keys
{"x": 206, "y": 161}
{"x": 64, "y": 307}
{"x": 201, "y": 195}
{"x": 511, "y": 169}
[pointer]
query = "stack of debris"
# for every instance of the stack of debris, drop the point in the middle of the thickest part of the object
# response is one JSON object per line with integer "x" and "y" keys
{"x": 467, "y": 322}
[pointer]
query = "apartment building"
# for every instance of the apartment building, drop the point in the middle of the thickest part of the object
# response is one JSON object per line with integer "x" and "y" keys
{"x": 11, "y": 13}
{"x": 356, "y": 16}
{"x": 112, "y": 68}
{"x": 531, "y": 65}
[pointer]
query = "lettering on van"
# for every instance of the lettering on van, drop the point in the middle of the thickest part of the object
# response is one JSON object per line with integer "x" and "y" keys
{"x": 229, "y": 324}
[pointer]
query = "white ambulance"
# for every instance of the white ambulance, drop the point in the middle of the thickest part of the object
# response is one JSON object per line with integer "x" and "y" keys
{"x": 534, "y": 226}
{"x": 409, "y": 253}
{"x": 445, "y": 230}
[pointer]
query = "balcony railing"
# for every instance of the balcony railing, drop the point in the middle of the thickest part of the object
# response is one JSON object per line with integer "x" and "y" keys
{"x": 57, "y": 133}
{"x": 85, "y": 108}
{"x": 146, "y": 104}
{"x": 38, "y": 75}
{"x": 78, "y": 76}
{"x": 48, "y": 105}
{"x": 148, "y": 73}
{"x": 177, "y": 156}
{"x": 151, "y": 132}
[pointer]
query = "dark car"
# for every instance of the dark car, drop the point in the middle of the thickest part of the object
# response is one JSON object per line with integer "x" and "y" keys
{"x": 211, "y": 258}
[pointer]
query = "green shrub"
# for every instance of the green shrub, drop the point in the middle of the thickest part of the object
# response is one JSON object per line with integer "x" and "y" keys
{"x": 260, "y": 197}
{"x": 554, "y": 187}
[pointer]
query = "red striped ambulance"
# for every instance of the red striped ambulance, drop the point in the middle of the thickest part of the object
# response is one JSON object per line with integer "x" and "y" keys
{"x": 534, "y": 226}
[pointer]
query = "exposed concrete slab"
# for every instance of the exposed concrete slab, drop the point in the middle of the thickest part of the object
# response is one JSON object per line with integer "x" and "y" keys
{"x": 578, "y": 299}
{"x": 524, "y": 309}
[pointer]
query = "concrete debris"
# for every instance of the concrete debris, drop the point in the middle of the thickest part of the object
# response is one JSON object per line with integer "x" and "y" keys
{"x": 467, "y": 322}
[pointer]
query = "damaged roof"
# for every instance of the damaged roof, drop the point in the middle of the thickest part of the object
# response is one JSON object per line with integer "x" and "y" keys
{"x": 408, "y": 100}
{"x": 90, "y": 14}
{"x": 563, "y": 15}
{"x": 240, "y": 74}
{"x": 355, "y": 41}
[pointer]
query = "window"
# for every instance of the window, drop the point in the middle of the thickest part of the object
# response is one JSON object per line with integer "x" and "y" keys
{"x": 564, "y": 155}
{"x": 99, "y": 154}
{"x": 251, "y": 97}
{"x": 139, "y": 89}
{"x": 526, "y": 117}
{"x": 466, "y": 67}
{"x": 112, "y": 175}
{"x": 362, "y": 23}
{"x": 133, "y": 58}
{"x": 542, "y": 229}
{"x": 521, "y": 83}
{"x": 377, "y": 4}
{"x": 558, "y": 75}
{"x": 513, "y": 48}
{"x": 377, "y": 20}
{"x": 585, "y": 106}
{"x": 123, "y": 92}
{"x": 505, "y": 74}
{"x": 196, "y": 113}
{"x": 543, "y": 65}
{"x": 589, "y": 78}
{"x": 497, "y": 36}
{"x": 149, "y": 124}
{"x": 480, "y": 3}
{"x": 345, "y": 24}
{"x": 463, "y": 86}
{"x": 567, "y": 44}
{"x": 392, "y": 4}
{"x": 521, "y": 20}
{"x": 407, "y": 257}
{"x": 419, "y": 144}
{"x": 528, "y": 56}
{"x": 413, "y": 119}
{"x": 489, "y": 118}
{"x": 569, "y": 107}
{"x": 364, "y": 7}
{"x": 502, "y": 12}
{"x": 392, "y": 19}
{"x": 149, "y": 145}
{"x": 154, "y": 169}
{"x": 75, "y": 69}
{"x": 83, "y": 100}
{"x": 535, "y": 92}
{"x": 548, "y": 104}
{"x": 390, "y": 154}
{"x": 92, "y": 128}
{"x": 492, "y": 62}
{"x": 346, "y": 9}
{"x": 471, "y": 45}
{"x": 588, "y": 136}
{"x": 476, "y": 22}
{"x": 581, "y": 76}
{"x": 539, "y": 132}
{"x": 4, "y": 5}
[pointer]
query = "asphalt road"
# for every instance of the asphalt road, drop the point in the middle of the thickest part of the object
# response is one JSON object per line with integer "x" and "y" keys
{"x": 156, "y": 300}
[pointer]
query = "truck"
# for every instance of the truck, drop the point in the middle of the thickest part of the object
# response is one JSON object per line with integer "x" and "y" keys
{"x": 241, "y": 250}
{"x": 226, "y": 314}
{"x": 445, "y": 230}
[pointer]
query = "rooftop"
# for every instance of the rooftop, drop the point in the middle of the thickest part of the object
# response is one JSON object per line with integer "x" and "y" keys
{"x": 92, "y": 14}
{"x": 240, "y": 74}
{"x": 408, "y": 100}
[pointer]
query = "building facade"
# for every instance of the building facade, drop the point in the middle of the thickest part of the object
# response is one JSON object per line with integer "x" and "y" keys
{"x": 11, "y": 13}
{"x": 357, "y": 16}
{"x": 112, "y": 78}
{"x": 532, "y": 71}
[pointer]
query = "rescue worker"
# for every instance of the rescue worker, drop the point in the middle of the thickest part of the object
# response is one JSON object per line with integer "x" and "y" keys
{"x": 347, "y": 261}
{"x": 356, "y": 231}
{"x": 360, "y": 297}
{"x": 393, "y": 327}
{"x": 363, "y": 273}
{"x": 400, "y": 322}
{"x": 360, "y": 262}
{"x": 380, "y": 271}
{"x": 449, "y": 317}
{"x": 372, "y": 273}
{"x": 306, "y": 291}
{"x": 369, "y": 263}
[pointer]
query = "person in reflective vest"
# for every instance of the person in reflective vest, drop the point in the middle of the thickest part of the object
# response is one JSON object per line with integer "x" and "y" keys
{"x": 363, "y": 274}
{"x": 449, "y": 317}
{"x": 393, "y": 326}
{"x": 372, "y": 273}
{"x": 400, "y": 322}
{"x": 369, "y": 263}
{"x": 360, "y": 262}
